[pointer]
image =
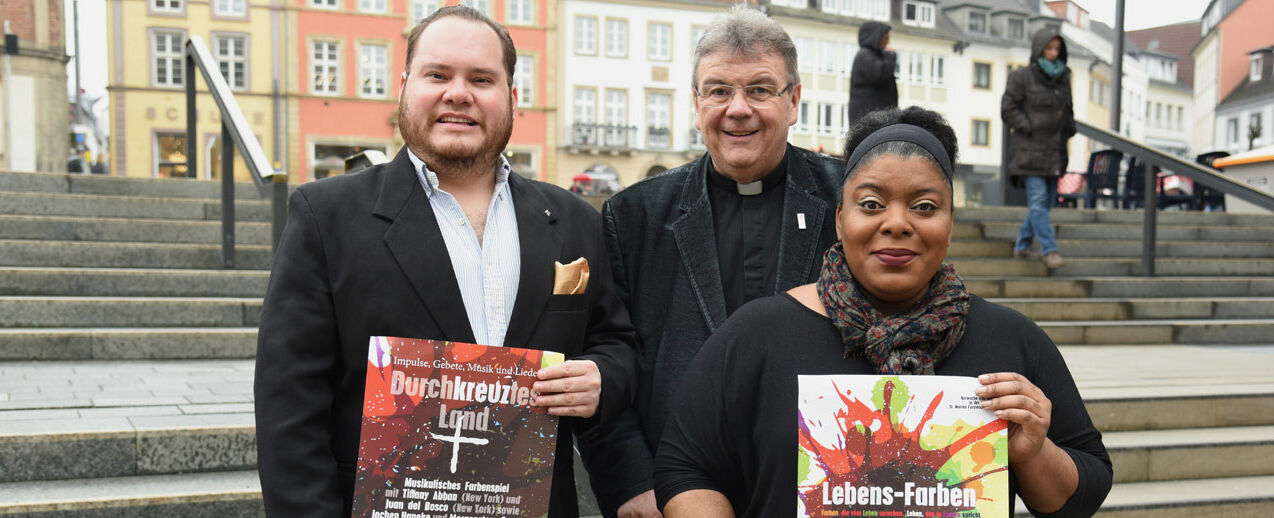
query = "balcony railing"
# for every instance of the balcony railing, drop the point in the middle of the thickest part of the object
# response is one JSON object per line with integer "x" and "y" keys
{"x": 658, "y": 138}
{"x": 696, "y": 140}
{"x": 612, "y": 136}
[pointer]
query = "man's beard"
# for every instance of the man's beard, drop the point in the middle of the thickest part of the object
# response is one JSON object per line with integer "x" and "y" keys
{"x": 455, "y": 158}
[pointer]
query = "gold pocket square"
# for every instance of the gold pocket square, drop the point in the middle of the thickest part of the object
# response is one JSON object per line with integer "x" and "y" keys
{"x": 570, "y": 279}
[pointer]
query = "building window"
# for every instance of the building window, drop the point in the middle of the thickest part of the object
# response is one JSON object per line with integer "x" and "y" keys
{"x": 874, "y": 9}
{"x": 166, "y": 6}
{"x": 524, "y": 80}
{"x": 695, "y": 34}
{"x": 323, "y": 4}
{"x": 617, "y": 118}
{"x": 420, "y": 9}
{"x": 168, "y": 62}
{"x": 616, "y": 38}
{"x": 825, "y": 126}
{"x": 522, "y": 163}
{"x": 981, "y": 132}
{"x": 521, "y": 12}
{"x": 804, "y": 54}
{"x": 228, "y": 7}
{"x": 899, "y": 67}
{"x": 232, "y": 57}
{"x": 1254, "y": 127}
{"x": 371, "y": 71}
{"x": 827, "y": 57}
{"x": 803, "y": 118}
{"x": 371, "y": 6}
{"x": 917, "y": 13}
{"x": 326, "y": 67}
{"x": 849, "y": 51}
{"x": 659, "y": 41}
{"x": 982, "y": 75}
{"x": 1181, "y": 117}
{"x": 1159, "y": 115}
{"x": 170, "y": 155}
{"x": 658, "y": 120}
{"x": 977, "y": 23}
{"x": 844, "y": 119}
{"x": 586, "y": 35}
{"x": 916, "y": 72}
{"x": 585, "y": 105}
{"x": 481, "y": 5}
{"x": 1016, "y": 29}
{"x": 1254, "y": 68}
{"x": 329, "y": 159}
{"x": 938, "y": 70}
{"x": 1232, "y": 131}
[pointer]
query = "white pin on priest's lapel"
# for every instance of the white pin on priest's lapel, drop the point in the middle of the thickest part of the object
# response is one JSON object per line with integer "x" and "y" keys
{"x": 800, "y": 220}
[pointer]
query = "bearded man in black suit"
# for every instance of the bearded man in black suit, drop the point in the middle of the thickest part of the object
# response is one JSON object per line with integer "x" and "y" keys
{"x": 440, "y": 243}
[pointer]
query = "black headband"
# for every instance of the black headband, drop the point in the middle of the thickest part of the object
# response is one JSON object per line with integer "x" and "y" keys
{"x": 903, "y": 133}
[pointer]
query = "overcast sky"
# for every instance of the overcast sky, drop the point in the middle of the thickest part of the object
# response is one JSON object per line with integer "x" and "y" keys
{"x": 1144, "y": 14}
{"x": 1139, "y": 14}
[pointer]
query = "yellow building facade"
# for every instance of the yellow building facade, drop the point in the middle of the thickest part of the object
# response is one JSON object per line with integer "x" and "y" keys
{"x": 147, "y": 75}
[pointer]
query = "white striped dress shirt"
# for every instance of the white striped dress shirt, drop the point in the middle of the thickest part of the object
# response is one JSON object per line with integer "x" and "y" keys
{"x": 487, "y": 272}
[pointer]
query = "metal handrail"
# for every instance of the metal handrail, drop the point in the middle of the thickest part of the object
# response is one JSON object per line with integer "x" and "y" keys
{"x": 1197, "y": 173}
{"x": 234, "y": 128}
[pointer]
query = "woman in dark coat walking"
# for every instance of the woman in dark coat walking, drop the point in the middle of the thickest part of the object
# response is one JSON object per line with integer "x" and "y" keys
{"x": 1037, "y": 108}
{"x": 871, "y": 82}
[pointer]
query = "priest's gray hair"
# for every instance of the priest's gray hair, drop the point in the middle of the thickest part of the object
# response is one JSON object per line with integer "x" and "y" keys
{"x": 747, "y": 32}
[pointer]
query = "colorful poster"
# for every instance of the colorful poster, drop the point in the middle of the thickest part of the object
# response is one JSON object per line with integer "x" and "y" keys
{"x": 899, "y": 446}
{"x": 449, "y": 430}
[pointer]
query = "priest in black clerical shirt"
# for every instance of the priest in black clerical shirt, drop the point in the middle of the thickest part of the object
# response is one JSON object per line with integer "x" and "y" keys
{"x": 750, "y": 218}
{"x": 747, "y": 218}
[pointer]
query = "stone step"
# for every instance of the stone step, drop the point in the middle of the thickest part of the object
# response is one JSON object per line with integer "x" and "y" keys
{"x": 127, "y": 343}
{"x": 231, "y": 494}
{"x": 132, "y": 282}
{"x": 1063, "y": 309}
{"x": 1150, "y": 332}
{"x": 19, "y": 252}
{"x": 108, "y": 206}
{"x": 1158, "y": 386}
{"x": 1121, "y": 287}
{"x": 156, "y": 442}
{"x": 1089, "y": 248}
{"x": 121, "y": 186}
{"x": 1008, "y": 231}
{"x": 34, "y": 312}
{"x": 1112, "y": 267}
{"x": 1190, "y": 453}
{"x": 64, "y": 228}
{"x": 1238, "y": 497}
{"x": 1127, "y": 217}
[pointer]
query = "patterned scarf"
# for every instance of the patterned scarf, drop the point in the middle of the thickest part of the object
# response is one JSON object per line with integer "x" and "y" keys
{"x": 907, "y": 343}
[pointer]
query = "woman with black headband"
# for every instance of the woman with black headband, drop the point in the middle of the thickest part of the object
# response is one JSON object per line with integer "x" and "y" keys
{"x": 884, "y": 304}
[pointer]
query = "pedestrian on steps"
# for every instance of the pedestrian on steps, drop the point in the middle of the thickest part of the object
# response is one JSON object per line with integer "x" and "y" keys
{"x": 1037, "y": 108}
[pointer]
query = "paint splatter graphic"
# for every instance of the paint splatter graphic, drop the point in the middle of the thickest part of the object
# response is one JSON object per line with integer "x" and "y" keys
{"x": 899, "y": 446}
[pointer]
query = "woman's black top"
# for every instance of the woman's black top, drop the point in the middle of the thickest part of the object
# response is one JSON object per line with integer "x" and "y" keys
{"x": 733, "y": 429}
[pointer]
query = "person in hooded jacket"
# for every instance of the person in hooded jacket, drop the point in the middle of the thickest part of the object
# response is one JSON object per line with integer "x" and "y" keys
{"x": 871, "y": 82}
{"x": 1037, "y": 108}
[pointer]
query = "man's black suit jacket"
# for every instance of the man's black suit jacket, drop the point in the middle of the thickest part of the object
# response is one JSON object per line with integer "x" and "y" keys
{"x": 362, "y": 256}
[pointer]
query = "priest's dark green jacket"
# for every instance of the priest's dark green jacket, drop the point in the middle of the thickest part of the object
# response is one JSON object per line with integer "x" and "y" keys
{"x": 661, "y": 243}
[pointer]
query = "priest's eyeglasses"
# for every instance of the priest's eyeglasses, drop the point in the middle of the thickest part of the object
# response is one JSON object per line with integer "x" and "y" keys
{"x": 755, "y": 95}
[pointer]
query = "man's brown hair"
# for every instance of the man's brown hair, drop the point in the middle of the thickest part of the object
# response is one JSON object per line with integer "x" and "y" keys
{"x": 467, "y": 13}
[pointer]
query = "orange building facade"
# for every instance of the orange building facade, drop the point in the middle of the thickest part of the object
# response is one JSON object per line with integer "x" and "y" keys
{"x": 350, "y": 55}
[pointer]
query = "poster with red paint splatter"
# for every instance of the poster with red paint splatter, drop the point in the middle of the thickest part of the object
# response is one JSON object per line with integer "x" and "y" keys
{"x": 899, "y": 446}
{"x": 449, "y": 430}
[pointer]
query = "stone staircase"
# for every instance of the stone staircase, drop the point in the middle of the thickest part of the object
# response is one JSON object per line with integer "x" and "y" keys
{"x": 126, "y": 352}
